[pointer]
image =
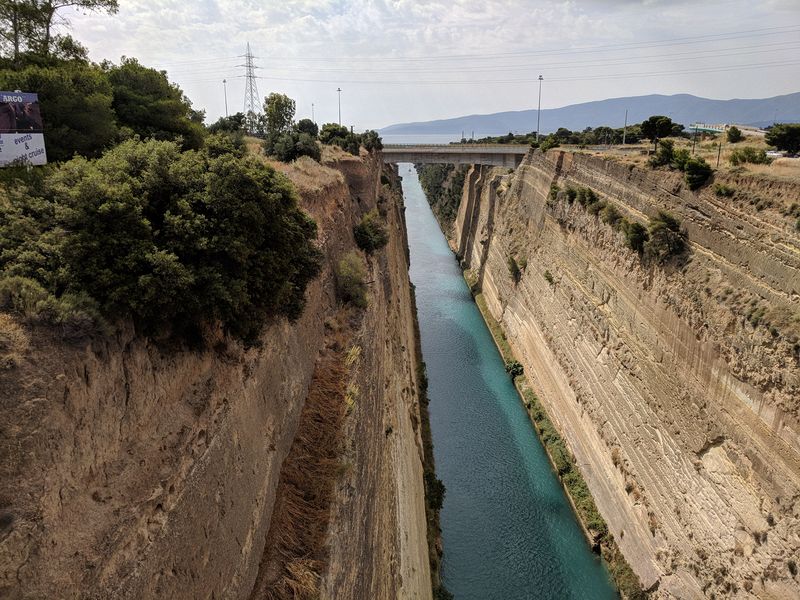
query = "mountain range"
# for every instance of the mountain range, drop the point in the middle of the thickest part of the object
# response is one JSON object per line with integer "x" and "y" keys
{"x": 681, "y": 108}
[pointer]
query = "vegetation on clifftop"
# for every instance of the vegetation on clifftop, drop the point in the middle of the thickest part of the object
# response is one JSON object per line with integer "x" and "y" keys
{"x": 175, "y": 240}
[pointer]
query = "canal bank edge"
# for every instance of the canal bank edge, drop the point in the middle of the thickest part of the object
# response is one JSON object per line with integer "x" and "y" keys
{"x": 594, "y": 527}
{"x": 433, "y": 486}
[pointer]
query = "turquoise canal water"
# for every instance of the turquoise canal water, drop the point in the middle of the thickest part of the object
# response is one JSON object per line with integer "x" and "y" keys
{"x": 508, "y": 530}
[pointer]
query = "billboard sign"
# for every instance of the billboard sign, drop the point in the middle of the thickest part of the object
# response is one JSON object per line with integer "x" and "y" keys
{"x": 21, "y": 132}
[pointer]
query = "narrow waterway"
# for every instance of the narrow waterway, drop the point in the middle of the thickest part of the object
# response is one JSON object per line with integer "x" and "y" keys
{"x": 508, "y": 530}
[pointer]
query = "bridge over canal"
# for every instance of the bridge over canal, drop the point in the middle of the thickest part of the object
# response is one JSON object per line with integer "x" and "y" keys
{"x": 499, "y": 155}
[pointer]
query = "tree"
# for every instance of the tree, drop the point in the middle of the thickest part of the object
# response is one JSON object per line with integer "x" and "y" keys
{"x": 27, "y": 29}
{"x": 734, "y": 134}
{"x": 279, "y": 109}
{"x": 308, "y": 126}
{"x": 232, "y": 124}
{"x": 333, "y": 133}
{"x": 291, "y": 145}
{"x": 785, "y": 137}
{"x": 666, "y": 239}
{"x": 656, "y": 127}
{"x": 16, "y": 28}
{"x": 150, "y": 106}
{"x": 635, "y": 236}
{"x": 697, "y": 172}
{"x": 76, "y": 107}
{"x": 371, "y": 140}
{"x": 46, "y": 14}
{"x": 180, "y": 240}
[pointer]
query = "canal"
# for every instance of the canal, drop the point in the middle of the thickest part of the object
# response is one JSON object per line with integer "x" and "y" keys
{"x": 508, "y": 530}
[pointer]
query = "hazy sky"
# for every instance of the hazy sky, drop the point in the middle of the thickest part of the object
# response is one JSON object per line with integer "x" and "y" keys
{"x": 409, "y": 60}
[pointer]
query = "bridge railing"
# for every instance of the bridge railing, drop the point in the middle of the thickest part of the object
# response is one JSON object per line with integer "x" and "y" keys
{"x": 510, "y": 148}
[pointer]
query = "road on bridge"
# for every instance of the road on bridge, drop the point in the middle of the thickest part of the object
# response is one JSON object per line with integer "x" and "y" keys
{"x": 500, "y": 155}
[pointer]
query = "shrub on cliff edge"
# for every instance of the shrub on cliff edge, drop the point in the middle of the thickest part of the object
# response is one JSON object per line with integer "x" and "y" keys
{"x": 175, "y": 240}
{"x": 697, "y": 172}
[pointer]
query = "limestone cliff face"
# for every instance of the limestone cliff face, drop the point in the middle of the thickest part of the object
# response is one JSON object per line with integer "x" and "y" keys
{"x": 130, "y": 470}
{"x": 677, "y": 387}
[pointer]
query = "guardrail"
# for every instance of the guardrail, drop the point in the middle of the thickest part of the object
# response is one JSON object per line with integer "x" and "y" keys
{"x": 509, "y": 148}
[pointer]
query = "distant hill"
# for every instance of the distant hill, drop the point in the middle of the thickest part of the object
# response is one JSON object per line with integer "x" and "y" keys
{"x": 682, "y": 108}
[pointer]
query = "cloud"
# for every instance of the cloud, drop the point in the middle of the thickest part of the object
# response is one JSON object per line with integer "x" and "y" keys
{"x": 417, "y": 48}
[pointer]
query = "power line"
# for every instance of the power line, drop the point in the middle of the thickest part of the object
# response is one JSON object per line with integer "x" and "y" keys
{"x": 578, "y": 78}
{"x": 606, "y": 62}
{"x": 224, "y": 70}
{"x": 706, "y": 38}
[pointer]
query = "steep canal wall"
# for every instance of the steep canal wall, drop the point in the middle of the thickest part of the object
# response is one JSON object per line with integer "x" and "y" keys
{"x": 137, "y": 470}
{"x": 676, "y": 386}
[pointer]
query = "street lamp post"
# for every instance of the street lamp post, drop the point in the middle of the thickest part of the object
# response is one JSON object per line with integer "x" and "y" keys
{"x": 539, "y": 110}
{"x": 225, "y": 89}
{"x": 340, "y": 105}
{"x": 312, "y": 113}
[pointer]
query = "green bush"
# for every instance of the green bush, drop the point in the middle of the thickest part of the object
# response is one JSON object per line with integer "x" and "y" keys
{"x": 595, "y": 207}
{"x": 219, "y": 144}
{"x": 291, "y": 145}
{"x": 697, "y": 172}
{"x": 434, "y": 491}
{"x": 680, "y": 159}
{"x": 77, "y": 314}
{"x": 664, "y": 154}
{"x": 514, "y": 369}
{"x": 338, "y": 135}
{"x": 636, "y": 236}
{"x": 785, "y": 136}
{"x": 734, "y": 135}
{"x": 370, "y": 234}
{"x": 307, "y": 126}
{"x": 553, "y": 195}
{"x": 722, "y": 190}
{"x": 610, "y": 215}
{"x": 748, "y": 154}
{"x": 151, "y": 107}
{"x": 371, "y": 140}
{"x": 549, "y": 142}
{"x": 175, "y": 240}
{"x": 666, "y": 239}
{"x": 549, "y": 277}
{"x": 351, "y": 278}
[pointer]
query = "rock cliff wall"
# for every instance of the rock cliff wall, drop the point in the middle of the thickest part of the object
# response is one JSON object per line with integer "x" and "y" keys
{"x": 133, "y": 470}
{"x": 677, "y": 387}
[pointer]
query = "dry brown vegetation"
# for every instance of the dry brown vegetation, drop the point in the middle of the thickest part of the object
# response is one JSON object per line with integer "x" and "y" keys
{"x": 294, "y": 555}
{"x": 14, "y": 342}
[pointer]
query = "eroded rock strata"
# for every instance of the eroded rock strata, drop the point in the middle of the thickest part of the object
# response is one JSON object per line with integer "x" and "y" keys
{"x": 676, "y": 386}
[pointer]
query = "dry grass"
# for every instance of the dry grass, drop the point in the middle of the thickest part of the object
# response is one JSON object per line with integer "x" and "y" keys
{"x": 253, "y": 145}
{"x": 332, "y": 154}
{"x": 294, "y": 556}
{"x": 14, "y": 342}
{"x": 786, "y": 169}
{"x": 307, "y": 174}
